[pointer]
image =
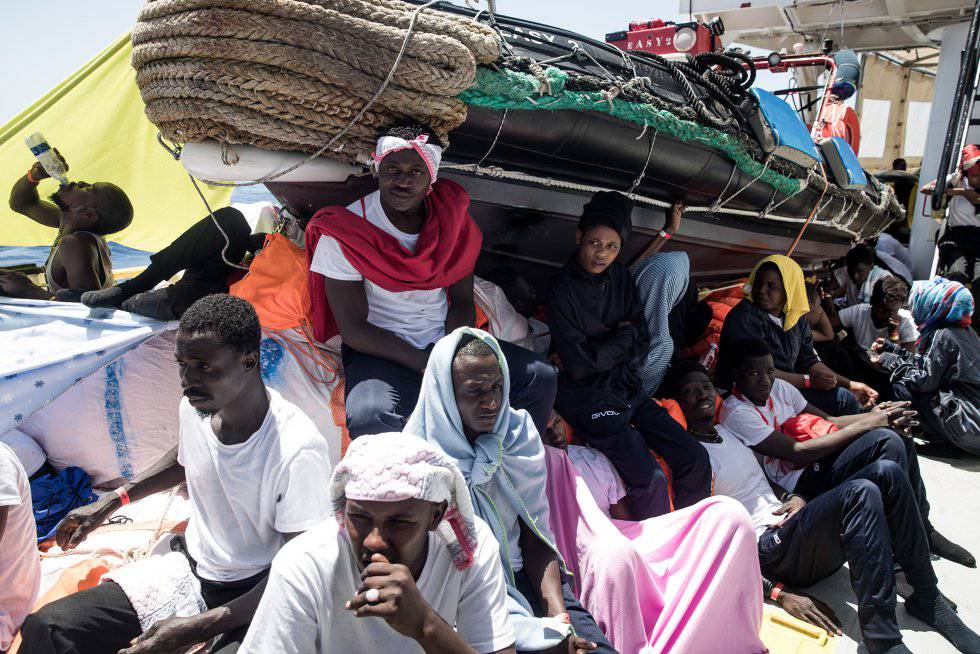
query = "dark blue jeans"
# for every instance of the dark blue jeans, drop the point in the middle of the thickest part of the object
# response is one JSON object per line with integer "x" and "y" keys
{"x": 582, "y": 621}
{"x": 836, "y": 402}
{"x": 871, "y": 447}
{"x": 381, "y": 394}
{"x": 866, "y": 520}
{"x": 626, "y": 437}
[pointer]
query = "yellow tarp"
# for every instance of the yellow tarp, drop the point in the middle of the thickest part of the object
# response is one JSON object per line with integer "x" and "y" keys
{"x": 95, "y": 118}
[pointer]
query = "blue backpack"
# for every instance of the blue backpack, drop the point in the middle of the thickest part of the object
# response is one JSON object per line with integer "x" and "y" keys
{"x": 54, "y": 494}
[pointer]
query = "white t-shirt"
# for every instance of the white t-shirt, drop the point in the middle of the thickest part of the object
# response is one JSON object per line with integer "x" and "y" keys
{"x": 599, "y": 474}
{"x": 736, "y": 473}
{"x": 962, "y": 212}
{"x": 302, "y": 609}
{"x": 20, "y": 564}
{"x": 244, "y": 497}
{"x": 418, "y": 317}
{"x": 753, "y": 424}
{"x": 855, "y": 295}
{"x": 858, "y": 321}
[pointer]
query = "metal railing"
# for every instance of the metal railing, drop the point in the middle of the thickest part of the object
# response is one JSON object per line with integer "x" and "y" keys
{"x": 963, "y": 100}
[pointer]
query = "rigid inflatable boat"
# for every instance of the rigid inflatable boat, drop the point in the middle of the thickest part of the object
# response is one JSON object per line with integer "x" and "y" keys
{"x": 529, "y": 170}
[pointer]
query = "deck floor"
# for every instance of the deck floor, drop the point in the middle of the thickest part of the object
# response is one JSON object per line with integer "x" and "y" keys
{"x": 954, "y": 495}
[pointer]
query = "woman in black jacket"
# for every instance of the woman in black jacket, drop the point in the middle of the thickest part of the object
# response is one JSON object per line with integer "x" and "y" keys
{"x": 598, "y": 331}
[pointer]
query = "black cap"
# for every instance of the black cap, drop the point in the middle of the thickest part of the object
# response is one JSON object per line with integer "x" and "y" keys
{"x": 610, "y": 209}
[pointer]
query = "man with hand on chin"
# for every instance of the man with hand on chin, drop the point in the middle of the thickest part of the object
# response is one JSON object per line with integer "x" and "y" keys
{"x": 256, "y": 470}
{"x": 405, "y": 566}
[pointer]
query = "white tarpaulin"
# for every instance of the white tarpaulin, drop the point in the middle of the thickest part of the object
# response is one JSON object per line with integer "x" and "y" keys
{"x": 48, "y": 347}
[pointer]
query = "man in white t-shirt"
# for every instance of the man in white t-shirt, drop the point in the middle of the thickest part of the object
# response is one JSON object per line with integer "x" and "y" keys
{"x": 883, "y": 317}
{"x": 960, "y": 243}
{"x": 404, "y": 567}
{"x": 392, "y": 273}
{"x": 757, "y": 412}
{"x": 20, "y": 564}
{"x": 859, "y": 275}
{"x": 256, "y": 470}
{"x": 869, "y": 520}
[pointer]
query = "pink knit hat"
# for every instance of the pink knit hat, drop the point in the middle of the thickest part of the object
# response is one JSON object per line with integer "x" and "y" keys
{"x": 393, "y": 467}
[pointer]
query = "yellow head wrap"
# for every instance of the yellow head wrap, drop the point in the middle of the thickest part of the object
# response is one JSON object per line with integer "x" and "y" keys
{"x": 793, "y": 284}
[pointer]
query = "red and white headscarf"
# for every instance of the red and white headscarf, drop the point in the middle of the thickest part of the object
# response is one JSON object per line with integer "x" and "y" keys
{"x": 970, "y": 160}
{"x": 430, "y": 152}
{"x": 396, "y": 466}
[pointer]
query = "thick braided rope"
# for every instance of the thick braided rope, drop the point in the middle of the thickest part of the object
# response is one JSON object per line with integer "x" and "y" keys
{"x": 193, "y": 120}
{"x": 295, "y": 75}
{"x": 434, "y": 64}
{"x": 193, "y": 54}
{"x": 479, "y": 39}
{"x": 294, "y": 114}
{"x": 269, "y": 84}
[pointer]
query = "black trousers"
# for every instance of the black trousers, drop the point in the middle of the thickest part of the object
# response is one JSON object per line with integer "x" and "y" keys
{"x": 381, "y": 394}
{"x": 836, "y": 401}
{"x": 866, "y": 520}
{"x": 582, "y": 621}
{"x": 626, "y": 435}
{"x": 959, "y": 250}
{"x": 198, "y": 253}
{"x": 102, "y": 620}
{"x": 848, "y": 359}
{"x": 872, "y": 447}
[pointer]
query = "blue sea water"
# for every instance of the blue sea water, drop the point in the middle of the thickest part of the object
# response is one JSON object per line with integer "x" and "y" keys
{"x": 122, "y": 256}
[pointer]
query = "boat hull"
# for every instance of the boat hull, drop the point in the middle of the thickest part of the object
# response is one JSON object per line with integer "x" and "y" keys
{"x": 533, "y": 228}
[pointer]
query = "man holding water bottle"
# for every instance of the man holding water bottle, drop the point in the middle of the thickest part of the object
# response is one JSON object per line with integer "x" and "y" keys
{"x": 84, "y": 214}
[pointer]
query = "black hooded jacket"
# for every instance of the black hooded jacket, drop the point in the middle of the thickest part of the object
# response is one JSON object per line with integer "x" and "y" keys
{"x": 596, "y": 353}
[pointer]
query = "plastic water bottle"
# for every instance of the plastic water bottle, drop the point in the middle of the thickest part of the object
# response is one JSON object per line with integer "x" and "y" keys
{"x": 47, "y": 158}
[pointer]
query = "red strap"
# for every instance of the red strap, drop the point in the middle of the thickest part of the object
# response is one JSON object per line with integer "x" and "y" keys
{"x": 123, "y": 495}
{"x": 772, "y": 410}
{"x": 363, "y": 209}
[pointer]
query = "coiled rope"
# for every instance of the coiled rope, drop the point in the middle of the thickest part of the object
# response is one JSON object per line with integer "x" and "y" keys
{"x": 296, "y": 74}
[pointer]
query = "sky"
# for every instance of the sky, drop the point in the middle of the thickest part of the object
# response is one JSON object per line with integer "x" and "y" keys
{"x": 44, "y": 41}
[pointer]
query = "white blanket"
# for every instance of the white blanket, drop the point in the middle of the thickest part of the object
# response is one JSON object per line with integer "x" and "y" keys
{"x": 46, "y": 347}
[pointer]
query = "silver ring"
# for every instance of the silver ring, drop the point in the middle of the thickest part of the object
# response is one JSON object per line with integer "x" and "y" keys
{"x": 372, "y": 595}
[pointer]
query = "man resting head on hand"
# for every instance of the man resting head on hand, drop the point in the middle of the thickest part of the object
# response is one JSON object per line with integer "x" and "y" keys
{"x": 404, "y": 567}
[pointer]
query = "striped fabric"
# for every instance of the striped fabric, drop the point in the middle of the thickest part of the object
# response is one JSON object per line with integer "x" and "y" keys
{"x": 661, "y": 281}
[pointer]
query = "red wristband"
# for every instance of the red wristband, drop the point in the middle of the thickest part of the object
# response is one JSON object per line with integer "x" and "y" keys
{"x": 31, "y": 179}
{"x": 776, "y": 590}
{"x": 123, "y": 495}
{"x": 806, "y": 381}
{"x": 665, "y": 235}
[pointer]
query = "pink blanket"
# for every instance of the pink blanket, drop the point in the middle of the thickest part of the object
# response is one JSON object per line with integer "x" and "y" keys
{"x": 686, "y": 582}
